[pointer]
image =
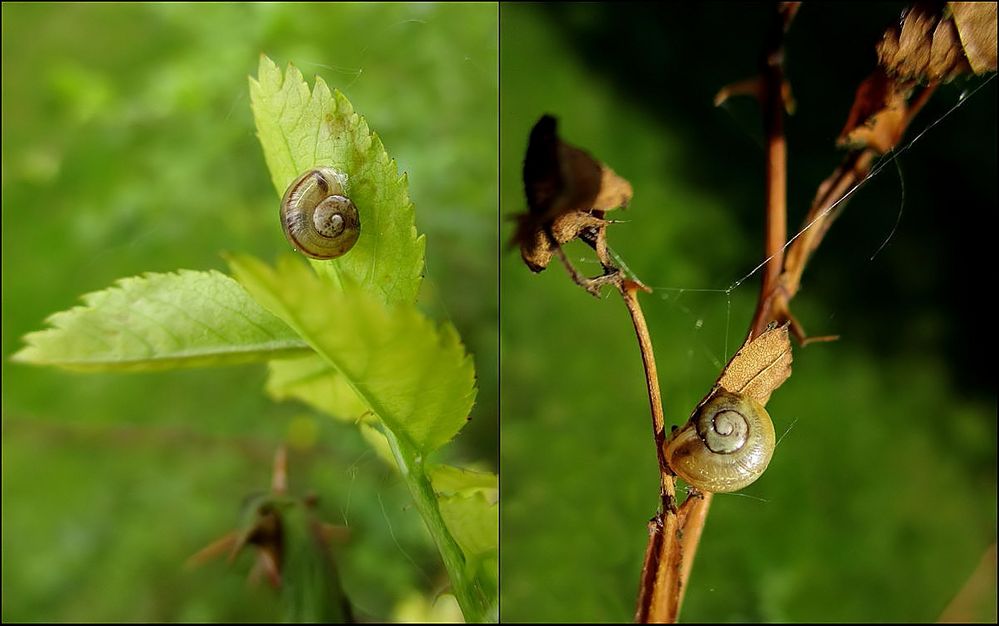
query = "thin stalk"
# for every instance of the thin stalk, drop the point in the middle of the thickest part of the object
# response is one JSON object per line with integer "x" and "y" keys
{"x": 628, "y": 290}
{"x": 775, "y": 227}
{"x": 659, "y": 592}
{"x": 469, "y": 593}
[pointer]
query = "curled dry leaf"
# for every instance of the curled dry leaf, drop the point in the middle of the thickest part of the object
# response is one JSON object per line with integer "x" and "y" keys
{"x": 537, "y": 245}
{"x": 938, "y": 43}
{"x": 567, "y": 191}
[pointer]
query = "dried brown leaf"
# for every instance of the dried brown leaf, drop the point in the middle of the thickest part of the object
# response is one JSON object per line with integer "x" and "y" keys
{"x": 761, "y": 366}
{"x": 537, "y": 247}
{"x": 945, "y": 50}
{"x": 976, "y": 26}
{"x": 914, "y": 42}
{"x": 567, "y": 193}
{"x": 887, "y": 48}
{"x": 615, "y": 192}
{"x": 879, "y": 115}
{"x": 936, "y": 44}
{"x": 561, "y": 178}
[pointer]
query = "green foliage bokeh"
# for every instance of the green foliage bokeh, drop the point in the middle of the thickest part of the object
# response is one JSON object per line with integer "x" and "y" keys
{"x": 880, "y": 499}
{"x": 128, "y": 147}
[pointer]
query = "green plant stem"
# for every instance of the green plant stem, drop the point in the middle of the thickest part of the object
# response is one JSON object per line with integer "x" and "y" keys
{"x": 468, "y": 591}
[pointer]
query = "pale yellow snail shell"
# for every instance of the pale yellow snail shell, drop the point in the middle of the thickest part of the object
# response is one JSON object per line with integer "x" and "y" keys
{"x": 318, "y": 220}
{"x": 725, "y": 446}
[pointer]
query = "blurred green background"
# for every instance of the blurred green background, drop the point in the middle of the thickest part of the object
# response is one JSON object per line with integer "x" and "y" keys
{"x": 129, "y": 146}
{"x": 881, "y": 500}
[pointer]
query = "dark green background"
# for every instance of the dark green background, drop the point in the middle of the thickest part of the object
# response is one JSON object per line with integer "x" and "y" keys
{"x": 881, "y": 500}
{"x": 128, "y": 147}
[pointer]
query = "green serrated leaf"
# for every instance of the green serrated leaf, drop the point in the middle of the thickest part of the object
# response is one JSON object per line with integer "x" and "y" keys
{"x": 162, "y": 321}
{"x": 300, "y": 129}
{"x": 314, "y": 381}
{"x": 474, "y": 523}
{"x": 449, "y": 480}
{"x": 415, "y": 376}
{"x": 468, "y": 502}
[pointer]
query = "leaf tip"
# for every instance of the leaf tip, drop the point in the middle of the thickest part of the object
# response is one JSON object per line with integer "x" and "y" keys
{"x": 23, "y": 355}
{"x": 266, "y": 66}
{"x": 293, "y": 75}
{"x": 320, "y": 89}
{"x": 344, "y": 105}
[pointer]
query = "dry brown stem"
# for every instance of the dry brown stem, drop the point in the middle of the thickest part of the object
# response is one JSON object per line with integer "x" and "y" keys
{"x": 660, "y": 589}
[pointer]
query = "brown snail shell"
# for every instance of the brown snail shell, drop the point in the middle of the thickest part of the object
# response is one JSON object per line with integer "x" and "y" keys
{"x": 318, "y": 219}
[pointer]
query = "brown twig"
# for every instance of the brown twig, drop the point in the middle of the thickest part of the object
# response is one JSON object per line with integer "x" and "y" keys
{"x": 629, "y": 289}
{"x": 660, "y": 590}
{"x": 775, "y": 227}
{"x": 692, "y": 516}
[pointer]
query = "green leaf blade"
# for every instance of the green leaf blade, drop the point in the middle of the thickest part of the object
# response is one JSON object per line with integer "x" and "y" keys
{"x": 415, "y": 376}
{"x": 301, "y": 129}
{"x": 474, "y": 522}
{"x": 162, "y": 321}
{"x": 315, "y": 382}
{"x": 449, "y": 480}
{"x": 469, "y": 505}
